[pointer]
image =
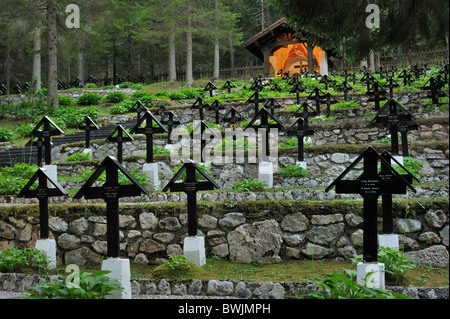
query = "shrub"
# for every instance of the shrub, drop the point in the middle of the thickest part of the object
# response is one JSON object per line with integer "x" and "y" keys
{"x": 25, "y": 129}
{"x": 346, "y": 105}
{"x": 72, "y": 117}
{"x": 176, "y": 267}
{"x": 340, "y": 286}
{"x": 13, "y": 179}
{"x": 14, "y": 260}
{"x": 293, "y": 171}
{"x": 96, "y": 286}
{"x": 118, "y": 109}
{"x": 64, "y": 100}
{"x": 90, "y": 86}
{"x": 5, "y": 135}
{"x": 89, "y": 99}
{"x": 249, "y": 185}
{"x": 115, "y": 97}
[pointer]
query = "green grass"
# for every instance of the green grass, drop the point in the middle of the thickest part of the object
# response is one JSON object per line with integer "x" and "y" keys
{"x": 291, "y": 271}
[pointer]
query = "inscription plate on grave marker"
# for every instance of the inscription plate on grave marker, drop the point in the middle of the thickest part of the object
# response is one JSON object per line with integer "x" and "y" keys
{"x": 370, "y": 187}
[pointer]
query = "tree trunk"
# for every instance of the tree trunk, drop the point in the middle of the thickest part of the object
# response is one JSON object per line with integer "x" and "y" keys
{"x": 36, "y": 82}
{"x": 114, "y": 62}
{"x": 189, "y": 75}
{"x": 52, "y": 87}
{"x": 172, "y": 58}
{"x": 230, "y": 43}
{"x": 216, "y": 72}
{"x": 310, "y": 50}
{"x": 80, "y": 63}
{"x": 8, "y": 63}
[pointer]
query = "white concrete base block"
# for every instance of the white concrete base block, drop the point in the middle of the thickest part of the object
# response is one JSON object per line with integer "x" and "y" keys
{"x": 265, "y": 173}
{"x": 302, "y": 164}
{"x": 48, "y": 247}
{"x": 120, "y": 272}
{"x": 399, "y": 159}
{"x": 376, "y": 279}
{"x": 52, "y": 171}
{"x": 194, "y": 250}
{"x": 151, "y": 171}
{"x": 388, "y": 241}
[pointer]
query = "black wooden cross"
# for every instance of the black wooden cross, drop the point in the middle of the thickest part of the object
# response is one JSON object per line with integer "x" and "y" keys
{"x": 392, "y": 114}
{"x": 434, "y": 87}
{"x": 297, "y": 89}
{"x": 345, "y": 87}
{"x": 216, "y": 106}
{"x": 328, "y": 100}
{"x": 233, "y": 117}
{"x": 325, "y": 80}
{"x": 316, "y": 97}
{"x": 304, "y": 113}
{"x": 44, "y": 134}
{"x": 370, "y": 186}
{"x": 111, "y": 191}
{"x": 300, "y": 130}
{"x": 139, "y": 108}
{"x": 88, "y": 125}
{"x": 271, "y": 105}
{"x": 148, "y": 130}
{"x": 228, "y": 85}
{"x": 256, "y": 99}
{"x": 369, "y": 79}
{"x": 403, "y": 129}
{"x": 264, "y": 116}
{"x": 202, "y": 127}
{"x": 171, "y": 121}
{"x": 210, "y": 87}
{"x": 391, "y": 84}
{"x": 377, "y": 94}
{"x": 406, "y": 76}
{"x": 191, "y": 186}
{"x": 200, "y": 105}
{"x": 386, "y": 174}
{"x": 275, "y": 87}
{"x": 42, "y": 193}
{"x": 122, "y": 136}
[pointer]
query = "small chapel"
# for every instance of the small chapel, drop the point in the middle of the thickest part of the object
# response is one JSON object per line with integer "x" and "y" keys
{"x": 281, "y": 51}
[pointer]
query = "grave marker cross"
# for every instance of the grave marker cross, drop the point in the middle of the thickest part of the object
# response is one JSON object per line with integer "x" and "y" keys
{"x": 317, "y": 97}
{"x": 300, "y": 130}
{"x": 406, "y": 76}
{"x": 256, "y": 99}
{"x": 88, "y": 125}
{"x": 191, "y": 186}
{"x": 148, "y": 130}
{"x": 139, "y": 107}
{"x": 111, "y": 191}
{"x": 44, "y": 138}
{"x": 271, "y": 105}
{"x": 42, "y": 193}
{"x": 395, "y": 116}
{"x": 210, "y": 87}
{"x": 391, "y": 84}
{"x": 170, "y": 120}
{"x": 434, "y": 87}
{"x": 297, "y": 89}
{"x": 202, "y": 127}
{"x": 216, "y": 106}
{"x": 122, "y": 136}
{"x": 376, "y": 94}
{"x": 328, "y": 99}
{"x": 228, "y": 85}
{"x": 233, "y": 117}
{"x": 370, "y": 186}
{"x": 200, "y": 104}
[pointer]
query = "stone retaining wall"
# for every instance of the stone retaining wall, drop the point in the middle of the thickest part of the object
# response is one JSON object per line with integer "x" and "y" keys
{"x": 240, "y": 231}
{"x": 215, "y": 288}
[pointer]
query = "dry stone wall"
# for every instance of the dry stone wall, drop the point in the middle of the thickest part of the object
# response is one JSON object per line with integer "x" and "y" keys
{"x": 243, "y": 232}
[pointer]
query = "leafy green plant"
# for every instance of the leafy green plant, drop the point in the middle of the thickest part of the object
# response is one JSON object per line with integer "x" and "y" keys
{"x": 346, "y": 105}
{"x": 25, "y": 129}
{"x": 79, "y": 157}
{"x": 395, "y": 262}
{"x": 90, "y": 86}
{"x": 14, "y": 260}
{"x": 91, "y": 286}
{"x": 118, "y": 109}
{"x": 89, "y": 99}
{"x": 65, "y": 100}
{"x": 293, "y": 171}
{"x": 249, "y": 185}
{"x": 203, "y": 167}
{"x": 6, "y": 135}
{"x": 344, "y": 286}
{"x": 71, "y": 116}
{"x": 123, "y": 180}
{"x": 115, "y": 97}
{"x": 178, "y": 264}
{"x": 13, "y": 179}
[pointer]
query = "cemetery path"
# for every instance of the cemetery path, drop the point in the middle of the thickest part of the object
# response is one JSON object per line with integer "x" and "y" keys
{"x": 29, "y": 155}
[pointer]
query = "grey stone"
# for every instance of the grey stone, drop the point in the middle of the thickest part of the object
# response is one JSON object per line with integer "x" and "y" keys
{"x": 179, "y": 289}
{"x": 316, "y": 251}
{"x": 169, "y": 223}
{"x": 241, "y": 291}
{"x": 207, "y": 221}
{"x": 295, "y": 223}
{"x": 195, "y": 287}
{"x": 293, "y": 239}
{"x": 100, "y": 246}
{"x": 326, "y": 219}
{"x": 68, "y": 241}
{"x": 164, "y": 287}
{"x": 57, "y": 224}
{"x": 126, "y": 221}
{"x": 432, "y": 256}
{"x": 324, "y": 235}
{"x": 220, "y": 288}
{"x": 429, "y": 238}
{"x": 260, "y": 241}
{"x": 164, "y": 237}
{"x": 79, "y": 226}
{"x": 435, "y": 219}
{"x": 357, "y": 238}
{"x": 409, "y": 225}
{"x": 148, "y": 221}
{"x": 141, "y": 259}
{"x": 444, "y": 235}
{"x": 220, "y": 250}
{"x": 353, "y": 219}
{"x": 232, "y": 220}
{"x": 80, "y": 256}
{"x": 6, "y": 231}
{"x": 269, "y": 290}
{"x": 340, "y": 158}
{"x": 151, "y": 246}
